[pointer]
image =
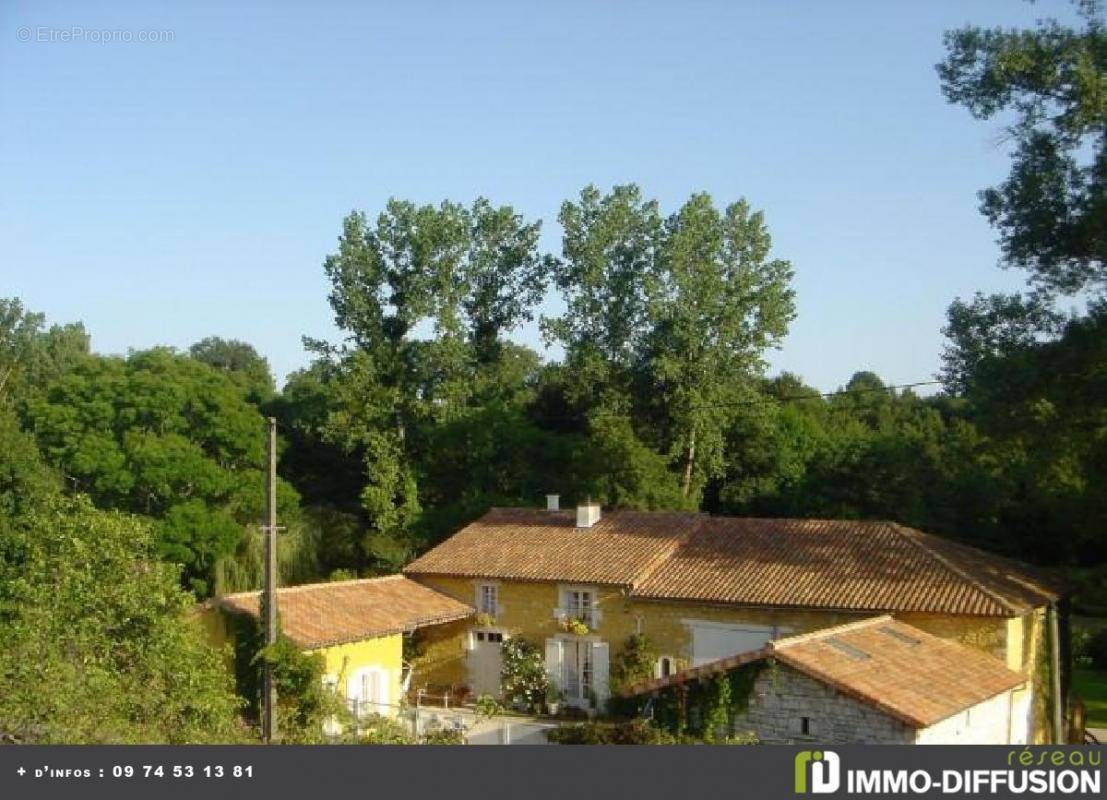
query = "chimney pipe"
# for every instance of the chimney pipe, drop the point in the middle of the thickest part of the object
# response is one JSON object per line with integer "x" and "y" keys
{"x": 553, "y": 502}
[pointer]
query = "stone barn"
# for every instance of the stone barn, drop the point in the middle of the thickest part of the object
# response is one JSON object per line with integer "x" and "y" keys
{"x": 878, "y": 681}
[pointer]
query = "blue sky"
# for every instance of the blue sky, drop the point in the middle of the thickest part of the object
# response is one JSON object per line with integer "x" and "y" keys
{"x": 164, "y": 191}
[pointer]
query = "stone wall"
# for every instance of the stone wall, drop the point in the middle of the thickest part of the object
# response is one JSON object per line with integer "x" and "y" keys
{"x": 782, "y": 698}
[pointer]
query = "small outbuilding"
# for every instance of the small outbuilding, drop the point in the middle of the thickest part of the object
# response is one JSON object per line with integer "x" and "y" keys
{"x": 357, "y": 626}
{"x": 876, "y": 681}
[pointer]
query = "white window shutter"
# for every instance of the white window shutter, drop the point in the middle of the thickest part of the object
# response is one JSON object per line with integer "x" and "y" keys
{"x": 470, "y": 641}
{"x": 353, "y": 686}
{"x": 600, "y": 661}
{"x": 553, "y": 660}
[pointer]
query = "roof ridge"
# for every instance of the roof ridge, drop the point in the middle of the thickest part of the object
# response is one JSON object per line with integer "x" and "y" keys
{"x": 918, "y": 539}
{"x": 679, "y": 541}
{"x": 318, "y": 584}
{"x": 825, "y": 633}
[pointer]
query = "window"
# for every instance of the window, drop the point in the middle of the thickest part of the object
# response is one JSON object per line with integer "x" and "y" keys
{"x": 488, "y": 599}
{"x": 578, "y": 678}
{"x": 368, "y": 692}
{"x": 580, "y": 604}
{"x": 664, "y": 667}
{"x": 805, "y": 726}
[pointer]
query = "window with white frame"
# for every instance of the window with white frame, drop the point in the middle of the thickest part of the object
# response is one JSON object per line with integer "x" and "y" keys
{"x": 577, "y": 670}
{"x": 488, "y": 599}
{"x": 665, "y": 667}
{"x": 367, "y": 691}
{"x": 580, "y": 604}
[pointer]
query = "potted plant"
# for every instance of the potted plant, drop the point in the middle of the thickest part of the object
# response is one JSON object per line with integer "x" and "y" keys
{"x": 575, "y": 626}
{"x": 553, "y": 698}
{"x": 484, "y": 620}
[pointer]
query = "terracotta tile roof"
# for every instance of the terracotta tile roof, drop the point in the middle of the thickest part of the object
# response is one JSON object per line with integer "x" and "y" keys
{"x": 841, "y": 564}
{"x": 846, "y": 565}
{"x": 530, "y": 544}
{"x": 323, "y": 614}
{"x": 918, "y": 678}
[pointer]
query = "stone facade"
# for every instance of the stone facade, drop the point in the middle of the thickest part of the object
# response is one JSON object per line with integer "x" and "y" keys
{"x": 788, "y": 707}
{"x": 527, "y": 609}
{"x": 784, "y": 701}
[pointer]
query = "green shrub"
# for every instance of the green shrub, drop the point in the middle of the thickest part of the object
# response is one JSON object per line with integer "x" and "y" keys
{"x": 381, "y": 730}
{"x": 636, "y": 731}
{"x": 444, "y": 736}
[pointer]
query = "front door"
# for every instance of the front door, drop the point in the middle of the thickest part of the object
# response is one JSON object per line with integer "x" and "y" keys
{"x": 485, "y": 663}
{"x": 578, "y": 669}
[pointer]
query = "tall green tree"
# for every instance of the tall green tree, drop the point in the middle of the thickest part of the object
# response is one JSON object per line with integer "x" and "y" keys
{"x": 165, "y": 436}
{"x": 667, "y": 320}
{"x": 425, "y": 296}
{"x": 32, "y": 354}
{"x": 240, "y": 361}
{"x": 610, "y": 248}
{"x": 717, "y": 303}
{"x": 1051, "y": 83}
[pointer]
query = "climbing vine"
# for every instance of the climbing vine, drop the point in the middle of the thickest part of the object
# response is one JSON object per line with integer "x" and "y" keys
{"x": 704, "y": 710}
{"x": 633, "y": 664}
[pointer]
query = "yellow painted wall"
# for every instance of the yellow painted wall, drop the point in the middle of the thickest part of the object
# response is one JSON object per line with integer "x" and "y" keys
{"x": 527, "y": 610}
{"x": 982, "y": 633}
{"x": 384, "y": 652}
{"x": 342, "y": 661}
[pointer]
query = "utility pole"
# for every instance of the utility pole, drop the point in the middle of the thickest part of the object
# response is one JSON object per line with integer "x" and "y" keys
{"x": 269, "y": 595}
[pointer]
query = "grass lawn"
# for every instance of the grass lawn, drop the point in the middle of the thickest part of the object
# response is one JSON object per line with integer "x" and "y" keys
{"x": 1091, "y": 685}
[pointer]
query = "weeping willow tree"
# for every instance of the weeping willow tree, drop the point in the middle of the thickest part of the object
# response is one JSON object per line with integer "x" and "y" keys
{"x": 297, "y": 560}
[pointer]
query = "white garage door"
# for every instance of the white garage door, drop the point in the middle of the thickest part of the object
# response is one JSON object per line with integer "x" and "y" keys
{"x": 714, "y": 640}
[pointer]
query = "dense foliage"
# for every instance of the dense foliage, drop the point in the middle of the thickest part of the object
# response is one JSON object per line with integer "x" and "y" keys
{"x": 637, "y": 731}
{"x": 95, "y": 640}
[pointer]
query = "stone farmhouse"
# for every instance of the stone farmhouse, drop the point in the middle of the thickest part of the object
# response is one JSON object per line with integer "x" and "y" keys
{"x": 965, "y": 646}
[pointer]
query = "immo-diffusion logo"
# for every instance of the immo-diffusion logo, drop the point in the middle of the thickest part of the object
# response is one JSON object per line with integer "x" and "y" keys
{"x": 1046, "y": 772}
{"x": 825, "y": 769}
